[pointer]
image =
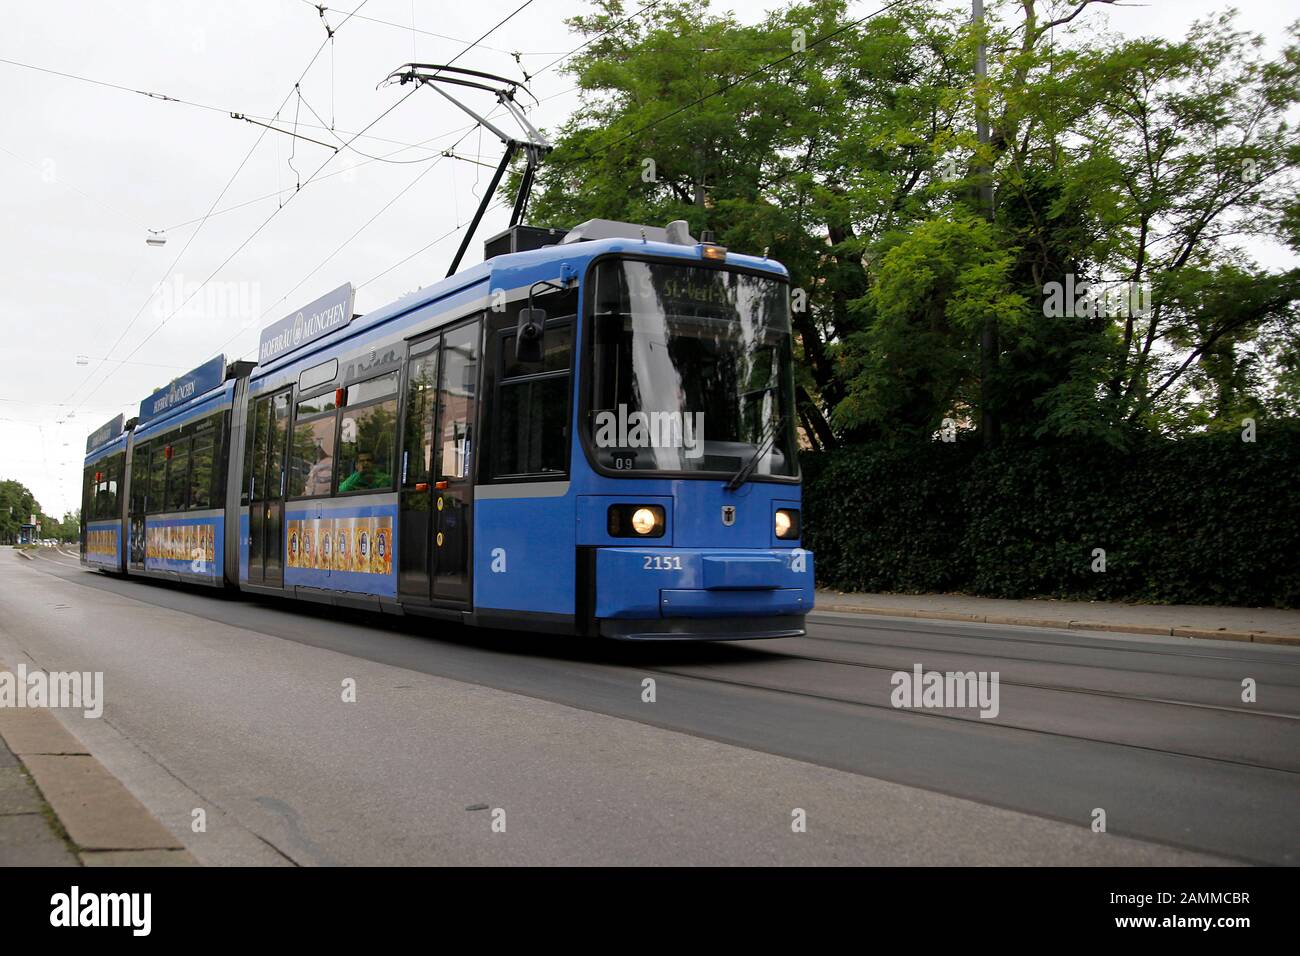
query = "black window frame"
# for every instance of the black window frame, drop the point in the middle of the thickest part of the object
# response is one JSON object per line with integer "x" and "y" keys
{"x": 140, "y": 477}
{"x": 111, "y": 467}
{"x": 215, "y": 423}
{"x": 154, "y": 503}
{"x": 246, "y": 461}
{"x": 314, "y": 417}
{"x": 205, "y": 427}
{"x": 336, "y": 412}
{"x": 587, "y": 350}
{"x": 184, "y": 482}
{"x": 396, "y": 398}
{"x": 87, "y": 494}
{"x": 501, "y": 381}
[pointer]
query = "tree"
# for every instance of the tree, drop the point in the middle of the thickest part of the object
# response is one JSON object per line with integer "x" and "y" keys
{"x": 1124, "y": 171}
{"x": 68, "y": 529}
{"x": 796, "y": 136}
{"x": 914, "y": 364}
{"x": 17, "y": 505}
{"x": 1191, "y": 146}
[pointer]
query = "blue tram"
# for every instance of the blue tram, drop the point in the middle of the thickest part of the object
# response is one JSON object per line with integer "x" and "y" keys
{"x": 590, "y": 436}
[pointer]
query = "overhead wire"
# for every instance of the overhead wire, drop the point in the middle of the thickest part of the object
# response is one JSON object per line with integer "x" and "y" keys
{"x": 697, "y": 101}
{"x": 413, "y": 30}
{"x": 337, "y": 172}
{"x": 425, "y": 248}
{"x": 357, "y": 232}
{"x": 405, "y": 189}
{"x": 191, "y": 239}
{"x": 236, "y": 252}
{"x": 450, "y": 152}
{"x": 162, "y": 97}
{"x": 60, "y": 181}
{"x": 243, "y": 244}
{"x": 110, "y": 85}
{"x": 347, "y": 144}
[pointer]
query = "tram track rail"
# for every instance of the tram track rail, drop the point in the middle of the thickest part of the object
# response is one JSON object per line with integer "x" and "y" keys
{"x": 1115, "y": 640}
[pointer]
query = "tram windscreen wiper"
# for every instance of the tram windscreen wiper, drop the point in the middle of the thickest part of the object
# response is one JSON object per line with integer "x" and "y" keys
{"x": 765, "y": 442}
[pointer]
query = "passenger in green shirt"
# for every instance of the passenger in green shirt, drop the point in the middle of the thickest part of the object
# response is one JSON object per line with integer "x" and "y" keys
{"x": 365, "y": 476}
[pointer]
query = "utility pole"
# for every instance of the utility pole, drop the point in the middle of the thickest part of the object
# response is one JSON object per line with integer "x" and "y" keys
{"x": 989, "y": 430}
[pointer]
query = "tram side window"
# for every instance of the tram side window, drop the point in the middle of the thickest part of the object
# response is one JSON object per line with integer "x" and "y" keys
{"x": 139, "y": 478}
{"x": 107, "y": 473}
{"x": 88, "y": 494}
{"x": 117, "y": 468}
{"x": 245, "y": 473}
{"x": 368, "y": 436}
{"x": 157, "y": 474}
{"x": 97, "y": 488}
{"x": 178, "y": 476}
{"x": 532, "y": 419}
{"x": 94, "y": 477}
{"x": 311, "y": 458}
{"x": 202, "y": 469}
{"x": 219, "y": 470}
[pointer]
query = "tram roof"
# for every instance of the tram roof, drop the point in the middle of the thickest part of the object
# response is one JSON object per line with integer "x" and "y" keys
{"x": 511, "y": 271}
{"x": 506, "y": 272}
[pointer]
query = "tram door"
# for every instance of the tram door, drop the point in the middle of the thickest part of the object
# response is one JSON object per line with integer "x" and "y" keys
{"x": 139, "y": 485}
{"x": 415, "y": 519}
{"x": 453, "y": 493}
{"x": 437, "y": 491}
{"x": 266, "y": 476}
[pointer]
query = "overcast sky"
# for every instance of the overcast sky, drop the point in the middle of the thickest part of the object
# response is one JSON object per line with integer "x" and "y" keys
{"x": 88, "y": 170}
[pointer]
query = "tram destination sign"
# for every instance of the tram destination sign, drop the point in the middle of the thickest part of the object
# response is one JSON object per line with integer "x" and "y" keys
{"x": 331, "y": 311}
{"x": 104, "y": 434}
{"x": 202, "y": 379}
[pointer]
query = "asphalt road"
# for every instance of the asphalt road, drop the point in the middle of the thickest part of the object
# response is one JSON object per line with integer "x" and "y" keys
{"x": 233, "y": 705}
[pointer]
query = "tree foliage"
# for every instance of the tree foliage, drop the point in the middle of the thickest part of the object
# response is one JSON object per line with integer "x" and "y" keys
{"x": 847, "y": 150}
{"x": 18, "y": 505}
{"x": 1177, "y": 521}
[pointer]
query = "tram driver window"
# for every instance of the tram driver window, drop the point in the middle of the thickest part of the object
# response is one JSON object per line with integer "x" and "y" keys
{"x": 368, "y": 436}
{"x": 107, "y": 472}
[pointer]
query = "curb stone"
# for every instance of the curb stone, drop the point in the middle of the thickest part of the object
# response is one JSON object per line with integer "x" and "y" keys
{"x": 104, "y": 822}
{"x": 1197, "y": 633}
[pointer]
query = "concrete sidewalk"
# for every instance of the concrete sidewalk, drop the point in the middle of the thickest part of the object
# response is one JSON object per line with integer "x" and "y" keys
{"x": 59, "y": 806}
{"x": 28, "y": 834}
{"x": 1258, "y": 625}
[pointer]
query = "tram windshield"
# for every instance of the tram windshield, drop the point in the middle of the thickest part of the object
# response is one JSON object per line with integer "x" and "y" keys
{"x": 691, "y": 371}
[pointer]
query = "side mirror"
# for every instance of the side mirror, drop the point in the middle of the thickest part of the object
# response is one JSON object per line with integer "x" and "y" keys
{"x": 528, "y": 335}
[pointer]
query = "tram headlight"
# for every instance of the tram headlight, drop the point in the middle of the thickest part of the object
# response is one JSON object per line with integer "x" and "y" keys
{"x": 644, "y": 521}
{"x": 636, "y": 521}
{"x": 786, "y": 523}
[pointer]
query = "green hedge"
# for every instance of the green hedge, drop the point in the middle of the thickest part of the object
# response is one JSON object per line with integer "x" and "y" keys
{"x": 1208, "y": 519}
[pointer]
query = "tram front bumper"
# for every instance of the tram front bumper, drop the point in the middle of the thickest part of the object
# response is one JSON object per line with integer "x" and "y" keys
{"x": 702, "y": 593}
